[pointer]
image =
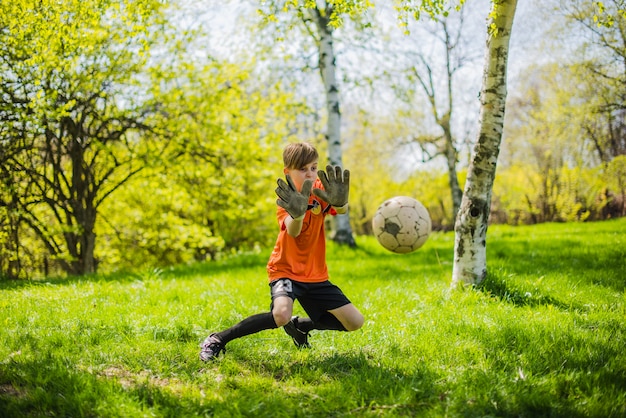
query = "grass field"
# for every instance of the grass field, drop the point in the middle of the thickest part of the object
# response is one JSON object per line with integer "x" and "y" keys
{"x": 544, "y": 336}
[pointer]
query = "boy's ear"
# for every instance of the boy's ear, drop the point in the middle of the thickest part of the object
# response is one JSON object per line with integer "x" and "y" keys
{"x": 285, "y": 170}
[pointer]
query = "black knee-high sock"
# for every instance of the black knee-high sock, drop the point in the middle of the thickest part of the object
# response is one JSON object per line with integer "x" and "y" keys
{"x": 250, "y": 325}
{"x": 328, "y": 321}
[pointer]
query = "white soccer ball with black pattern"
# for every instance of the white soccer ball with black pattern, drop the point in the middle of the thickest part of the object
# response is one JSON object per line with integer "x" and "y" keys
{"x": 401, "y": 224}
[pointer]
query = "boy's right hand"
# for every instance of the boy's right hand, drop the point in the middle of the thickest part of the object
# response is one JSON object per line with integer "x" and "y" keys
{"x": 289, "y": 198}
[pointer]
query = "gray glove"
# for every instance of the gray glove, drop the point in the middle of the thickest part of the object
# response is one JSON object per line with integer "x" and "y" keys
{"x": 294, "y": 202}
{"x": 336, "y": 186}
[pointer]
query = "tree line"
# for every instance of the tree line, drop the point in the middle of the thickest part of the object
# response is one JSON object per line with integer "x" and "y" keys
{"x": 122, "y": 148}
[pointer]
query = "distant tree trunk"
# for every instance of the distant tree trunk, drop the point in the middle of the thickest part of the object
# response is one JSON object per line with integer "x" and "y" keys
{"x": 451, "y": 155}
{"x": 427, "y": 72}
{"x": 342, "y": 229}
{"x": 83, "y": 189}
{"x": 450, "y": 150}
{"x": 470, "y": 246}
{"x": 10, "y": 265}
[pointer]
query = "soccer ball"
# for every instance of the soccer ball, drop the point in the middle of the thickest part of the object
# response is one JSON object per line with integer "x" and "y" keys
{"x": 401, "y": 224}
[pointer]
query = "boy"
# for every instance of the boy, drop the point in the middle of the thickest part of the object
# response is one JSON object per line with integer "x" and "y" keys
{"x": 297, "y": 267}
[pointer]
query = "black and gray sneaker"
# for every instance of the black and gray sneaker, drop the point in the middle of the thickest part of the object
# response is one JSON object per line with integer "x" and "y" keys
{"x": 211, "y": 348}
{"x": 300, "y": 338}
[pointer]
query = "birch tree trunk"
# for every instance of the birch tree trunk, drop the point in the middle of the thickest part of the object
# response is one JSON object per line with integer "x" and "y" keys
{"x": 327, "y": 65}
{"x": 470, "y": 246}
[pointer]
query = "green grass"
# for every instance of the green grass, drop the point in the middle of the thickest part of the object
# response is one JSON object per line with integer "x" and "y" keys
{"x": 543, "y": 336}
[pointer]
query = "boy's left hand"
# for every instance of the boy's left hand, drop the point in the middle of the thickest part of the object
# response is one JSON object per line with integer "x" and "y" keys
{"x": 336, "y": 186}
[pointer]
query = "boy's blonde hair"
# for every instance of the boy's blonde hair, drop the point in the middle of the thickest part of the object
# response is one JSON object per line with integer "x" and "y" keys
{"x": 299, "y": 154}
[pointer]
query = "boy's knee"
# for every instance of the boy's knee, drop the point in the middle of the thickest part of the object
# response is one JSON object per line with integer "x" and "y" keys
{"x": 281, "y": 316}
{"x": 355, "y": 323}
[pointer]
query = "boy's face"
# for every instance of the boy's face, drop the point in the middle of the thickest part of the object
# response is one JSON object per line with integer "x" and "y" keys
{"x": 299, "y": 175}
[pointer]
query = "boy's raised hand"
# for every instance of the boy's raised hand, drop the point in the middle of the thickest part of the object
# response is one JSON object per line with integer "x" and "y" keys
{"x": 289, "y": 198}
{"x": 336, "y": 186}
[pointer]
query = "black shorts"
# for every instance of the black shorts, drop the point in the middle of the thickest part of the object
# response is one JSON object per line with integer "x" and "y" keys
{"x": 315, "y": 298}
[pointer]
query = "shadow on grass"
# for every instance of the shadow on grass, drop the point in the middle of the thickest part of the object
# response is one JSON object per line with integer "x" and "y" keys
{"x": 321, "y": 384}
{"x": 602, "y": 265}
{"x": 48, "y": 388}
{"x": 332, "y": 384}
{"x": 335, "y": 385}
{"x": 507, "y": 291}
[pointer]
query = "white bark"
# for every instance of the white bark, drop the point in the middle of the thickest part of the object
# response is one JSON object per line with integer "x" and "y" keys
{"x": 470, "y": 246}
{"x": 329, "y": 78}
{"x": 342, "y": 228}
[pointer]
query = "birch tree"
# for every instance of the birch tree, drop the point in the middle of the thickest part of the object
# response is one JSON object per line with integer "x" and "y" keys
{"x": 470, "y": 245}
{"x": 320, "y": 18}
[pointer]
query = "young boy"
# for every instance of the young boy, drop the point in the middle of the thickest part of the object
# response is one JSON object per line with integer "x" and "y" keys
{"x": 297, "y": 267}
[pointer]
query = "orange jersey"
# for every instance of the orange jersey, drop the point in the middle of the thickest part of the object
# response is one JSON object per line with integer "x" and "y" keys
{"x": 302, "y": 258}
